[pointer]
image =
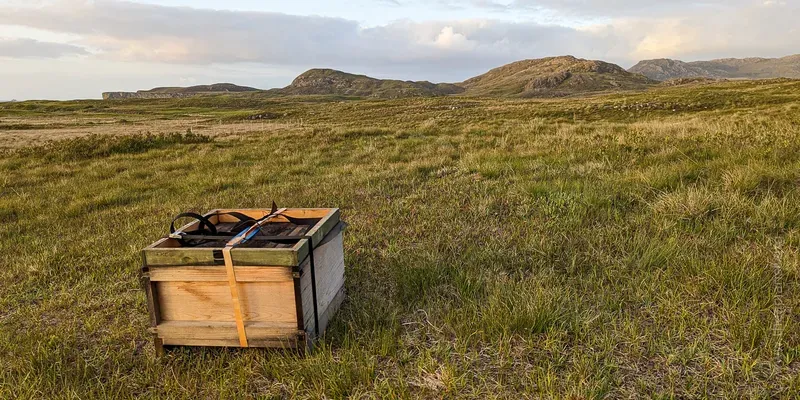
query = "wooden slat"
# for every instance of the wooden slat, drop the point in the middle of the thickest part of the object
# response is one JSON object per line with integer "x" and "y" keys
{"x": 237, "y": 308}
{"x": 262, "y": 212}
{"x": 220, "y": 274}
{"x": 292, "y": 212}
{"x": 288, "y": 343}
{"x": 207, "y": 330}
{"x": 332, "y": 308}
{"x": 211, "y": 301}
{"x": 309, "y": 212}
{"x": 321, "y": 229}
{"x": 307, "y": 301}
{"x": 329, "y": 260}
{"x": 192, "y": 256}
{"x": 255, "y": 256}
{"x": 298, "y": 230}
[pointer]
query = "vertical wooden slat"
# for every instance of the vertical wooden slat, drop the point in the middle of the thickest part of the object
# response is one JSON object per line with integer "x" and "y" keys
{"x": 237, "y": 308}
{"x": 226, "y": 254}
{"x": 152, "y": 305}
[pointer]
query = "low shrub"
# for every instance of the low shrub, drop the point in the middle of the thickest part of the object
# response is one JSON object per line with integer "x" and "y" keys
{"x": 98, "y": 146}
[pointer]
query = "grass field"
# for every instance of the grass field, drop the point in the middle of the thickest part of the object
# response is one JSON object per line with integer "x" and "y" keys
{"x": 618, "y": 246}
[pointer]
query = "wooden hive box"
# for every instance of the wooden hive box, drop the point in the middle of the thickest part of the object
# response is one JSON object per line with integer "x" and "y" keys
{"x": 263, "y": 295}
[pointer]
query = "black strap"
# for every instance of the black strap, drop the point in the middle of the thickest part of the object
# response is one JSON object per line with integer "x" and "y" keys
{"x": 238, "y": 215}
{"x": 313, "y": 284}
{"x": 207, "y": 231}
{"x": 301, "y": 221}
{"x": 203, "y": 223}
{"x": 245, "y": 221}
{"x": 205, "y": 227}
{"x": 277, "y": 239}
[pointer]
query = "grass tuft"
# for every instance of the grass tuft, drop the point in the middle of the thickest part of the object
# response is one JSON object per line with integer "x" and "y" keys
{"x": 99, "y": 146}
{"x": 638, "y": 245}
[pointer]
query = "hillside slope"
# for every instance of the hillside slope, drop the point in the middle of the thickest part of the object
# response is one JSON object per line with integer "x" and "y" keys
{"x": 553, "y": 77}
{"x": 727, "y": 68}
{"x": 332, "y": 82}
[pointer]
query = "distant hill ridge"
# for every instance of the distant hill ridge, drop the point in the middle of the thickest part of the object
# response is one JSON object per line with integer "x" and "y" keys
{"x": 177, "y": 92}
{"x": 332, "y": 82}
{"x": 725, "y": 68}
{"x": 553, "y": 77}
{"x": 544, "y": 77}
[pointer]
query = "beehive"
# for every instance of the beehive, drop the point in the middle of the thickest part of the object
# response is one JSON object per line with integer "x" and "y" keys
{"x": 266, "y": 294}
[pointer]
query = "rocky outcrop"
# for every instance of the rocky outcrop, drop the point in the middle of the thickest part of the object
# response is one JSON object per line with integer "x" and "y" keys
{"x": 333, "y": 82}
{"x": 664, "y": 69}
{"x": 178, "y": 92}
{"x": 144, "y": 95}
{"x": 553, "y": 77}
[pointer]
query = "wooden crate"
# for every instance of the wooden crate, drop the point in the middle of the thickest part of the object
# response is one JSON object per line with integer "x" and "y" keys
{"x": 264, "y": 297}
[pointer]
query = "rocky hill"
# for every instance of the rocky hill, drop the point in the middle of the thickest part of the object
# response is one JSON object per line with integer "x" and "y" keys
{"x": 726, "y": 68}
{"x": 177, "y": 92}
{"x": 553, "y": 77}
{"x": 332, "y": 82}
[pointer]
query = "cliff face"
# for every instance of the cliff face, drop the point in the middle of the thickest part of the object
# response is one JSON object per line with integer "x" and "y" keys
{"x": 144, "y": 95}
{"x": 178, "y": 92}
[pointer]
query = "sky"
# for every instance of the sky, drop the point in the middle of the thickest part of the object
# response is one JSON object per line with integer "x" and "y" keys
{"x": 68, "y": 49}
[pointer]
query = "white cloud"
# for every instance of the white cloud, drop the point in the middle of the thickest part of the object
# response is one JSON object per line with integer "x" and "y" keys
{"x": 30, "y": 48}
{"x": 138, "y": 32}
{"x": 612, "y": 8}
{"x": 181, "y": 39}
{"x": 450, "y": 40}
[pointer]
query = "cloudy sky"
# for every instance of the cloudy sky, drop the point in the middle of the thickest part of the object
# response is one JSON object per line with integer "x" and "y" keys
{"x": 63, "y": 49}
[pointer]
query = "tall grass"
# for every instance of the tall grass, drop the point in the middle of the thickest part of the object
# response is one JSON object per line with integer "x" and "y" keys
{"x": 492, "y": 254}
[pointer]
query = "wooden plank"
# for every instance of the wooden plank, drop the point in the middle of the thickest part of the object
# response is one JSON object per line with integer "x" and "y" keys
{"x": 307, "y": 299}
{"x": 309, "y": 212}
{"x": 219, "y": 274}
{"x": 237, "y": 308}
{"x": 193, "y": 256}
{"x": 167, "y": 252}
{"x": 207, "y": 330}
{"x": 321, "y": 229}
{"x": 262, "y": 212}
{"x": 329, "y": 260}
{"x": 292, "y": 212}
{"x": 333, "y": 308}
{"x": 287, "y": 343}
{"x": 164, "y": 243}
{"x": 211, "y": 301}
{"x": 298, "y": 230}
{"x": 256, "y": 256}
{"x": 179, "y": 256}
{"x": 152, "y": 306}
{"x": 297, "y": 275}
{"x": 329, "y": 271}
{"x": 301, "y": 249}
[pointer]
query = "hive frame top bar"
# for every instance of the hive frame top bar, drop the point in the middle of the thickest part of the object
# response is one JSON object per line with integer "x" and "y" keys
{"x": 167, "y": 251}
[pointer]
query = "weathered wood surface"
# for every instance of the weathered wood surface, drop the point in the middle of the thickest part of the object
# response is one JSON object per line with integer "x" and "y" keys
{"x": 329, "y": 271}
{"x": 192, "y": 294}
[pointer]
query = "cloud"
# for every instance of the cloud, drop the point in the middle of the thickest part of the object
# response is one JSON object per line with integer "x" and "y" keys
{"x": 766, "y": 29}
{"x": 127, "y": 31}
{"x": 29, "y": 48}
{"x": 447, "y": 50}
{"x": 609, "y": 8}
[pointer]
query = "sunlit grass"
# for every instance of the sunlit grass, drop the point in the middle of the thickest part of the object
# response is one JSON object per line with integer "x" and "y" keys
{"x": 497, "y": 250}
